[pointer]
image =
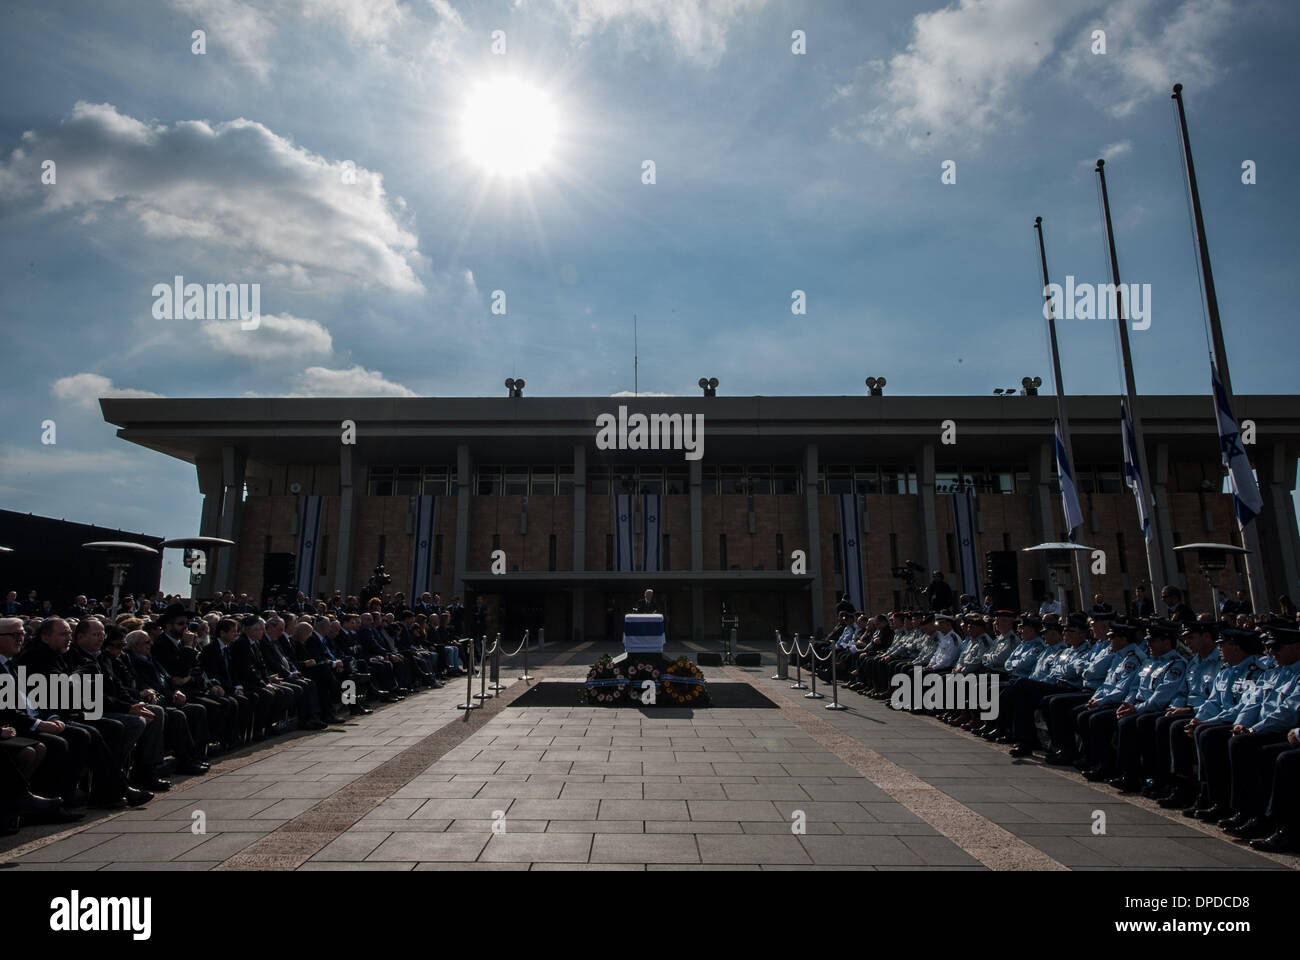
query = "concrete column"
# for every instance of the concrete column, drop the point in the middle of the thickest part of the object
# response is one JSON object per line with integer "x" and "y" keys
{"x": 579, "y": 596}
{"x": 926, "y": 508}
{"x": 230, "y": 525}
{"x": 810, "y": 467}
{"x": 1277, "y": 539}
{"x": 1164, "y": 522}
{"x": 697, "y": 547}
{"x": 464, "y": 489}
{"x": 349, "y": 506}
{"x": 209, "y": 471}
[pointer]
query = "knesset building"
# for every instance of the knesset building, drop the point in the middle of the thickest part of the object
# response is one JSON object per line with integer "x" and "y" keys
{"x": 433, "y": 487}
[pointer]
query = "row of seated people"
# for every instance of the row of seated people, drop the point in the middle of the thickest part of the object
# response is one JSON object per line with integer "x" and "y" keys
{"x": 1203, "y": 716}
{"x": 162, "y": 699}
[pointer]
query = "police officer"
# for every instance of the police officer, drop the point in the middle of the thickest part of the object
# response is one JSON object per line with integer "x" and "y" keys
{"x": 1123, "y": 673}
{"x": 1053, "y": 648}
{"x": 970, "y": 660}
{"x": 1198, "y": 684}
{"x": 1239, "y": 651}
{"x": 1283, "y": 810}
{"x": 1018, "y": 666}
{"x": 1162, "y": 678}
{"x": 1064, "y": 674}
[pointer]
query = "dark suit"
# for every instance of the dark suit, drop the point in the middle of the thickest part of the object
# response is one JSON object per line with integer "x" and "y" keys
{"x": 216, "y": 664}
{"x": 277, "y": 664}
{"x": 187, "y": 730}
{"x": 272, "y": 701}
{"x": 144, "y": 737}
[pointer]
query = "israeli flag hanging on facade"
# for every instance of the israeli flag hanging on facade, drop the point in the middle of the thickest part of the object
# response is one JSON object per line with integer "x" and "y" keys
{"x": 963, "y": 512}
{"x": 1069, "y": 492}
{"x": 623, "y": 532}
{"x": 1132, "y": 475}
{"x": 1245, "y": 490}
{"x": 426, "y": 507}
{"x": 850, "y": 537}
{"x": 308, "y": 538}
{"x": 650, "y": 538}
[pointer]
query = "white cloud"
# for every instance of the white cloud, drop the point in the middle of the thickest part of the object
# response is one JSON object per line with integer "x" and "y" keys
{"x": 1148, "y": 50}
{"x": 356, "y": 381}
{"x": 278, "y": 337}
{"x": 275, "y": 209}
{"x": 243, "y": 30}
{"x": 960, "y": 74}
{"x": 85, "y": 389}
{"x": 698, "y": 28}
{"x": 1111, "y": 151}
{"x": 58, "y": 459}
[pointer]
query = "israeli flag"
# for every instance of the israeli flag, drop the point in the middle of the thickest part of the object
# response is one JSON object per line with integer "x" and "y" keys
{"x": 1069, "y": 492}
{"x": 963, "y": 512}
{"x": 650, "y": 539}
{"x": 308, "y": 538}
{"x": 623, "y": 532}
{"x": 1245, "y": 491}
{"x": 422, "y": 556}
{"x": 850, "y": 527}
{"x": 1132, "y": 475}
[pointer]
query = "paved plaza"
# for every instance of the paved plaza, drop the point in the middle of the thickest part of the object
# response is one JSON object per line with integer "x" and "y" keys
{"x": 416, "y": 786}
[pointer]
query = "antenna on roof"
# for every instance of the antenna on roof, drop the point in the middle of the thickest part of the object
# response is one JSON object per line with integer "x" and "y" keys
{"x": 635, "y": 383}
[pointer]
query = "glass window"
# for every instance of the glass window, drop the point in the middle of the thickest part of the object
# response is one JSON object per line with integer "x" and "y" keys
{"x": 732, "y": 479}
{"x": 516, "y": 482}
{"x": 564, "y": 482}
{"x": 598, "y": 481}
{"x": 1109, "y": 481}
{"x": 760, "y": 479}
{"x": 406, "y": 487}
{"x": 866, "y": 479}
{"x": 839, "y": 479}
{"x": 678, "y": 481}
{"x": 785, "y": 480}
{"x": 489, "y": 481}
{"x": 543, "y": 480}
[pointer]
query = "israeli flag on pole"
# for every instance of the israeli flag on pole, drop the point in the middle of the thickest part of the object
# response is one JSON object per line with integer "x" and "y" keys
{"x": 650, "y": 538}
{"x": 422, "y": 556}
{"x": 1132, "y": 475}
{"x": 308, "y": 540}
{"x": 1245, "y": 491}
{"x": 850, "y": 527}
{"x": 1069, "y": 492}
{"x": 623, "y": 532}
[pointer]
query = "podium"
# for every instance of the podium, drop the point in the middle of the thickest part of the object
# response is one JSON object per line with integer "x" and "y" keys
{"x": 643, "y": 633}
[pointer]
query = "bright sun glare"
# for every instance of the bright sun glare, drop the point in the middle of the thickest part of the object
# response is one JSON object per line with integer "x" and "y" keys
{"x": 509, "y": 127}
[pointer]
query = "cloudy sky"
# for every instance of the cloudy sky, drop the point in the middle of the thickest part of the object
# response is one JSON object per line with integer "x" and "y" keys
{"x": 332, "y": 151}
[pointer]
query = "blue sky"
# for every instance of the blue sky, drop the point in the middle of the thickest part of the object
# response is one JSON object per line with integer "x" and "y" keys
{"x": 774, "y": 172}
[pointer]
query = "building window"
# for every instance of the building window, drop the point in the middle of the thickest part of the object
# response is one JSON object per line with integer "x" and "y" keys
{"x": 785, "y": 480}
{"x": 677, "y": 481}
{"x": 722, "y": 551}
{"x": 551, "y": 548}
{"x": 489, "y": 481}
{"x": 543, "y": 483}
{"x": 381, "y": 481}
{"x": 839, "y": 479}
{"x": 732, "y": 479}
{"x": 598, "y": 481}
{"x": 437, "y": 553}
{"x": 516, "y": 483}
{"x": 564, "y": 482}
{"x": 760, "y": 479}
{"x": 609, "y": 551}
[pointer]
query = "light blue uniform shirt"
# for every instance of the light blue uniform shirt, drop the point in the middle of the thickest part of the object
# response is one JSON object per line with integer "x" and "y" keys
{"x": 1068, "y": 668}
{"x": 1024, "y": 658}
{"x": 1230, "y": 685}
{"x": 1159, "y": 681}
{"x": 972, "y": 652}
{"x": 1277, "y": 707}
{"x": 1199, "y": 680}
{"x": 996, "y": 658}
{"x": 1124, "y": 670}
{"x": 1100, "y": 660}
{"x": 1048, "y": 659}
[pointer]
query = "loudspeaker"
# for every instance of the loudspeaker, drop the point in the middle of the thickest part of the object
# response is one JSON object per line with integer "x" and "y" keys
{"x": 1001, "y": 575}
{"x": 278, "y": 573}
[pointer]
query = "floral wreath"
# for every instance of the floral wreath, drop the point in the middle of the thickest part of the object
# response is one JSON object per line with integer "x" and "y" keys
{"x": 684, "y": 683}
{"x": 605, "y": 683}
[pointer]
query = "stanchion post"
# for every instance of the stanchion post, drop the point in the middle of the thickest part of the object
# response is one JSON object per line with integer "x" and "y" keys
{"x": 496, "y": 686}
{"x": 798, "y": 667}
{"x": 469, "y": 703}
{"x": 812, "y": 669}
{"x": 525, "y": 676}
{"x": 482, "y": 680}
{"x": 835, "y": 685}
{"x": 782, "y": 670}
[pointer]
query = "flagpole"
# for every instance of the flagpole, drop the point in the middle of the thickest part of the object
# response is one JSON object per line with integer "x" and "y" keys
{"x": 1080, "y": 565}
{"x": 1249, "y": 534}
{"x": 1155, "y": 555}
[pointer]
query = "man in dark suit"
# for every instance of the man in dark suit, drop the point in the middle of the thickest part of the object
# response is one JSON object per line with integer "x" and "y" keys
{"x": 175, "y": 652}
{"x": 277, "y": 654}
{"x": 188, "y": 729}
{"x": 386, "y": 667}
{"x": 1141, "y": 608}
{"x": 272, "y": 702}
{"x": 216, "y": 661}
{"x": 12, "y": 607}
{"x": 286, "y": 680}
{"x": 1179, "y": 612}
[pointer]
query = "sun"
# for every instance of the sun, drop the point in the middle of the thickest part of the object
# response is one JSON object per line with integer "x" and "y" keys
{"x": 509, "y": 127}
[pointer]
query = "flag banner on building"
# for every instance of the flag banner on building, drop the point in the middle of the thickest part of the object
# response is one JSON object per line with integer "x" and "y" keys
{"x": 1069, "y": 492}
{"x": 650, "y": 538}
{"x": 850, "y": 537}
{"x": 1132, "y": 475}
{"x": 623, "y": 532}
{"x": 308, "y": 538}
{"x": 963, "y": 513}
{"x": 1245, "y": 490}
{"x": 426, "y": 510}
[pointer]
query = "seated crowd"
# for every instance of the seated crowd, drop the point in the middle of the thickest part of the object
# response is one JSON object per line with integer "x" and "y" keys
{"x": 1200, "y": 714}
{"x": 180, "y": 687}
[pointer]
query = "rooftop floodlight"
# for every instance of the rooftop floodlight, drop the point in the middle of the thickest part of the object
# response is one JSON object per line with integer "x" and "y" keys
{"x": 876, "y": 385}
{"x": 516, "y": 387}
{"x": 709, "y": 385}
{"x": 1031, "y": 385}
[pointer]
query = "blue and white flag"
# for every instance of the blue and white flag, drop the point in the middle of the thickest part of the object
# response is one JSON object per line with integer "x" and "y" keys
{"x": 426, "y": 508}
{"x": 1245, "y": 490}
{"x": 308, "y": 538}
{"x": 1133, "y": 475}
{"x": 623, "y": 532}
{"x": 963, "y": 512}
{"x": 1069, "y": 492}
{"x": 850, "y": 525}
{"x": 650, "y": 538}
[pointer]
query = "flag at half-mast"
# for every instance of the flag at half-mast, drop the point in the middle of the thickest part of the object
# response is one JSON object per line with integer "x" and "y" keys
{"x": 1245, "y": 489}
{"x": 1069, "y": 492}
{"x": 1133, "y": 474}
